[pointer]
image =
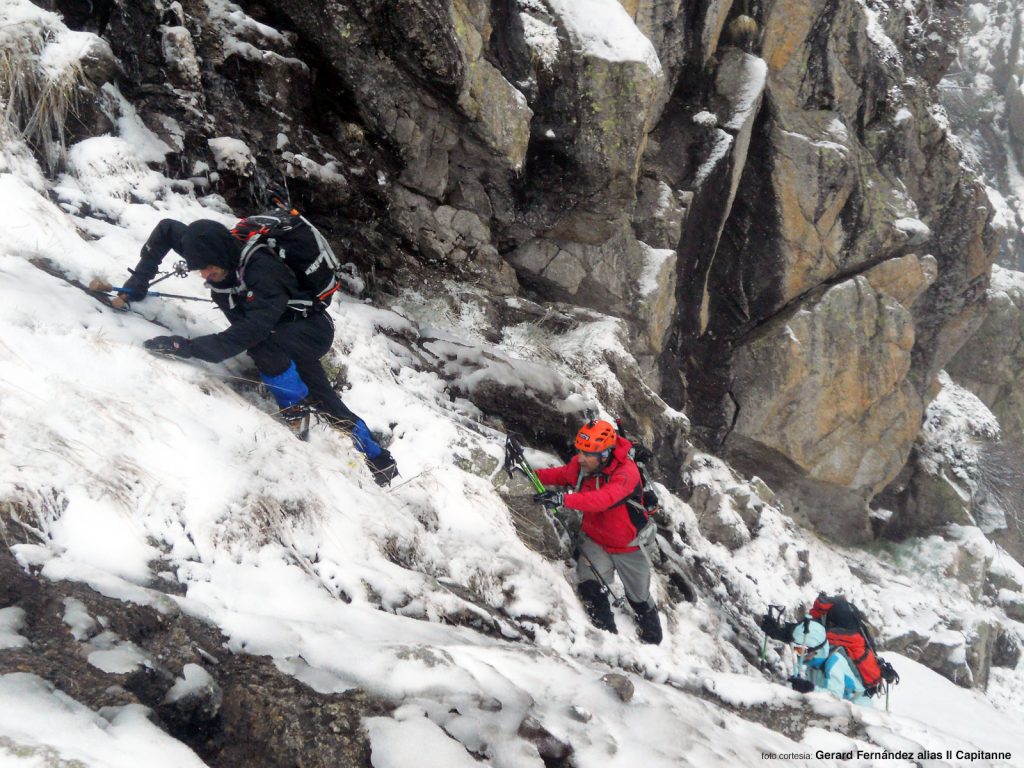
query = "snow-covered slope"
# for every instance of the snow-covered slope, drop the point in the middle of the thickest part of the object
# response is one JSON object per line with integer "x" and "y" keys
{"x": 169, "y": 484}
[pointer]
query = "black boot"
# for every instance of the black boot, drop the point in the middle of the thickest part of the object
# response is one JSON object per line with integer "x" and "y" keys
{"x": 595, "y": 603}
{"x": 383, "y": 468}
{"x": 296, "y": 418}
{"x": 648, "y": 623}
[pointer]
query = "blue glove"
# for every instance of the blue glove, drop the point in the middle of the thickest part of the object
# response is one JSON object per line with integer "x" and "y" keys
{"x": 174, "y": 346}
{"x": 550, "y": 499}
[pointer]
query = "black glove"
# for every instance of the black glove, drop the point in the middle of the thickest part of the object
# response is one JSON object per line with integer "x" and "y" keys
{"x": 642, "y": 454}
{"x": 888, "y": 673}
{"x": 801, "y": 685}
{"x": 776, "y": 631}
{"x": 135, "y": 288}
{"x": 175, "y": 346}
{"x": 550, "y": 499}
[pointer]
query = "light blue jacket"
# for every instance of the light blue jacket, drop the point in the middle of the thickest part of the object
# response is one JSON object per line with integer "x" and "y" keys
{"x": 830, "y": 670}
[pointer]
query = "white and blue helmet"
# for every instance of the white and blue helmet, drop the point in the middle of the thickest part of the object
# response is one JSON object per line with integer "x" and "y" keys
{"x": 810, "y": 634}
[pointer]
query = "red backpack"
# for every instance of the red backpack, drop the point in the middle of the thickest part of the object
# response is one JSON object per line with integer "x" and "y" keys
{"x": 845, "y": 628}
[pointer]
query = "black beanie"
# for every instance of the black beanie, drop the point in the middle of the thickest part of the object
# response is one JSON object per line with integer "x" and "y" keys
{"x": 209, "y": 243}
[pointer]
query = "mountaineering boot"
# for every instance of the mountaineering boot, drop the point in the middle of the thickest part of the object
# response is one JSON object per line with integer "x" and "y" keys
{"x": 296, "y": 418}
{"x": 595, "y": 603}
{"x": 648, "y": 623}
{"x": 382, "y": 467}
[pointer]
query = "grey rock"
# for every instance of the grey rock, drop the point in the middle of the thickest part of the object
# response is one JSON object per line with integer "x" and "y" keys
{"x": 551, "y": 749}
{"x": 620, "y": 685}
{"x": 1006, "y": 649}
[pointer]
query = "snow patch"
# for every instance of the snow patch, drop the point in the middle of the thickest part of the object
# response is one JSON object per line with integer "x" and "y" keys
{"x": 654, "y": 264}
{"x": 603, "y": 29}
{"x": 78, "y": 620}
{"x": 194, "y": 679}
{"x": 37, "y": 717}
{"x": 541, "y": 38}
{"x": 11, "y": 620}
{"x": 232, "y": 155}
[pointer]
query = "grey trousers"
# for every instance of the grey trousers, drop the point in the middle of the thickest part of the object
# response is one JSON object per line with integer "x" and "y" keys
{"x": 634, "y": 569}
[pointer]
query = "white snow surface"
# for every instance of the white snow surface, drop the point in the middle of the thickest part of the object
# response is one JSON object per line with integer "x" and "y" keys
{"x": 603, "y": 29}
{"x": 11, "y": 620}
{"x": 37, "y": 721}
{"x": 131, "y": 471}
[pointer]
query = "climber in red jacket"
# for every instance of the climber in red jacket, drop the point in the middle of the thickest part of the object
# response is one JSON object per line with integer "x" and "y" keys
{"x": 606, "y": 480}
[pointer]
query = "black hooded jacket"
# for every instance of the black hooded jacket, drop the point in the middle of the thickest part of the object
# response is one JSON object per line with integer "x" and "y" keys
{"x": 253, "y": 310}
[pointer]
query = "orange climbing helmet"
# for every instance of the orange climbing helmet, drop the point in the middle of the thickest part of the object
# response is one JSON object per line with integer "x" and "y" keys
{"x": 595, "y": 437}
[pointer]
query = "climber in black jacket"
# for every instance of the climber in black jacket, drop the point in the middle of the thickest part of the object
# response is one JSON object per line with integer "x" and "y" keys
{"x": 271, "y": 317}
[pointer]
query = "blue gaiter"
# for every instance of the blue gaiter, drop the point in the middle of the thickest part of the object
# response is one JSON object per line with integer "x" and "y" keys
{"x": 287, "y": 388}
{"x": 364, "y": 440}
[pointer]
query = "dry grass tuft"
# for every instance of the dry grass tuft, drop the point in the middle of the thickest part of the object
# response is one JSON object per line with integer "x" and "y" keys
{"x": 37, "y": 100}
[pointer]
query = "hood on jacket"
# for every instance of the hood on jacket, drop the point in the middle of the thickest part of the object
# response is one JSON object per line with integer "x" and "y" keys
{"x": 208, "y": 243}
{"x": 621, "y": 451}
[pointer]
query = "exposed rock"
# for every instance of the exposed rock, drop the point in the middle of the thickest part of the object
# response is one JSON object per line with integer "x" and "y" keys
{"x": 904, "y": 278}
{"x": 619, "y": 276}
{"x": 1006, "y": 650}
{"x": 593, "y": 110}
{"x": 957, "y": 473}
{"x": 823, "y": 387}
{"x": 621, "y": 685}
{"x": 98, "y": 62}
{"x": 992, "y": 365}
{"x": 453, "y": 236}
{"x": 719, "y": 521}
{"x": 659, "y": 214}
{"x": 961, "y": 657}
{"x": 817, "y": 203}
{"x": 552, "y": 750}
{"x": 182, "y": 61}
{"x": 1015, "y": 110}
{"x": 1012, "y": 603}
{"x": 580, "y": 715}
{"x": 730, "y": 518}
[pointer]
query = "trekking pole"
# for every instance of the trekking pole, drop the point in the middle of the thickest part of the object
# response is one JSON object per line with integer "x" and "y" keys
{"x": 772, "y": 609}
{"x": 180, "y": 269}
{"x": 160, "y": 295}
{"x": 102, "y": 286}
{"x": 515, "y": 459}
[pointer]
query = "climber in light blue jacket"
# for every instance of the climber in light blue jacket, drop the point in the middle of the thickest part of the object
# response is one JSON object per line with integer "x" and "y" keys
{"x": 823, "y": 667}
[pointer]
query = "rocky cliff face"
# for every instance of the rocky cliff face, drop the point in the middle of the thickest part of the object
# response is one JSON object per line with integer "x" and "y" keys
{"x": 839, "y": 286}
{"x": 982, "y": 94}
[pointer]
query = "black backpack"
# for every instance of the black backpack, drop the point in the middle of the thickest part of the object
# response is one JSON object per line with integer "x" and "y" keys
{"x": 643, "y": 502}
{"x": 291, "y": 238}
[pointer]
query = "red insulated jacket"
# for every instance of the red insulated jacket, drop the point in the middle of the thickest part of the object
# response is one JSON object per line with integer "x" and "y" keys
{"x": 602, "y": 497}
